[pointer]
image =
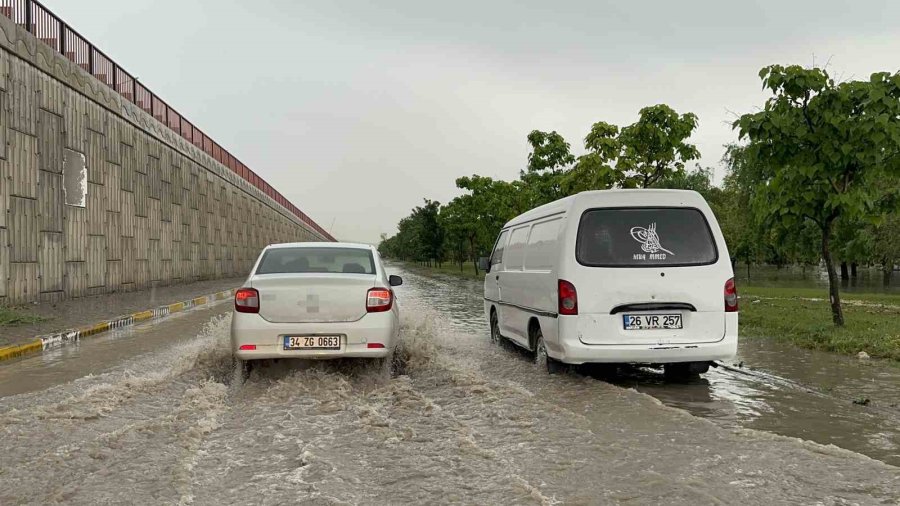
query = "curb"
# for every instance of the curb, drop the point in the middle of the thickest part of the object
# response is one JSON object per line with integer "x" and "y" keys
{"x": 66, "y": 337}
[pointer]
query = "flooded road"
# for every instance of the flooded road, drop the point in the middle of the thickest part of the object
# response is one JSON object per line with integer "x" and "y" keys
{"x": 463, "y": 422}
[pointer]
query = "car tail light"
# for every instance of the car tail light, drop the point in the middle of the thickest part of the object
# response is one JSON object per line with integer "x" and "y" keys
{"x": 247, "y": 347}
{"x": 731, "y": 297}
{"x": 246, "y": 300}
{"x": 374, "y": 345}
{"x": 568, "y": 298}
{"x": 379, "y": 299}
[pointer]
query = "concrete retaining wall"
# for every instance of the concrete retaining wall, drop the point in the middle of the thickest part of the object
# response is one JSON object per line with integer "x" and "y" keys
{"x": 158, "y": 209}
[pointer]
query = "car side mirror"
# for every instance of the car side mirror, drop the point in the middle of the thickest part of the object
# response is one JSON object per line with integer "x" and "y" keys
{"x": 395, "y": 280}
{"x": 484, "y": 263}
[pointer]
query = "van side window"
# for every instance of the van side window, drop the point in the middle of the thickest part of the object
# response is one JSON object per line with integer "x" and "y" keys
{"x": 515, "y": 252}
{"x": 540, "y": 252}
{"x": 497, "y": 255}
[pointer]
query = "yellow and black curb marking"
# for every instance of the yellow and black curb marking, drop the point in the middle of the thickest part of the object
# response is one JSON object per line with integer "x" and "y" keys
{"x": 42, "y": 343}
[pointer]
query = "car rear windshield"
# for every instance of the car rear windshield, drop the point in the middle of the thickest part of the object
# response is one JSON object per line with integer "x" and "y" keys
{"x": 644, "y": 237}
{"x": 303, "y": 260}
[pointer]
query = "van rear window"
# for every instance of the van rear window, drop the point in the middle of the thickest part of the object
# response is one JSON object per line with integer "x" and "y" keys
{"x": 644, "y": 237}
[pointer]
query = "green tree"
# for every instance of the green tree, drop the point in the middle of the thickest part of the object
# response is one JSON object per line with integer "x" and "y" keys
{"x": 549, "y": 159}
{"x": 655, "y": 146}
{"x": 822, "y": 147}
{"x": 636, "y": 156}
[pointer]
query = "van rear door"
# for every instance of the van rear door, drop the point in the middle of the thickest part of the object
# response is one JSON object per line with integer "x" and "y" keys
{"x": 637, "y": 263}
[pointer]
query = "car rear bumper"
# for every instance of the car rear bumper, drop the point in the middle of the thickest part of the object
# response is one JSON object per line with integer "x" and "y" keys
{"x": 571, "y": 350}
{"x": 252, "y": 329}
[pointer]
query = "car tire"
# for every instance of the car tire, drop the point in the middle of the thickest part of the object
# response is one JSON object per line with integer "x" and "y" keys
{"x": 495, "y": 328}
{"x": 542, "y": 359}
{"x": 685, "y": 370}
{"x": 242, "y": 368}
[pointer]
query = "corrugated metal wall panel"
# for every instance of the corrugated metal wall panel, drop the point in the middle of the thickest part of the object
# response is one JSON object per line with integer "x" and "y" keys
{"x": 52, "y": 93}
{"x": 96, "y": 209}
{"x": 4, "y": 262}
{"x": 129, "y": 265}
{"x": 76, "y": 279}
{"x": 113, "y": 187}
{"x": 113, "y": 236}
{"x": 96, "y": 261}
{"x": 50, "y": 143}
{"x": 114, "y": 274}
{"x": 141, "y": 238}
{"x": 23, "y": 283}
{"x": 127, "y": 214}
{"x": 23, "y": 230}
{"x": 23, "y": 99}
{"x": 95, "y": 156}
{"x": 23, "y": 165}
{"x": 128, "y": 167}
{"x": 51, "y": 262}
{"x": 50, "y": 202}
{"x": 75, "y": 245}
{"x": 76, "y": 129}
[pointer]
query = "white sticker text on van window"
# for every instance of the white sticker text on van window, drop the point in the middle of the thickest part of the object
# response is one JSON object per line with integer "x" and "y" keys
{"x": 650, "y": 243}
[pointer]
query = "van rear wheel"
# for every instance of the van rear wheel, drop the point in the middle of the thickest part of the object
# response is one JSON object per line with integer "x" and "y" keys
{"x": 495, "y": 328}
{"x": 685, "y": 370}
{"x": 542, "y": 359}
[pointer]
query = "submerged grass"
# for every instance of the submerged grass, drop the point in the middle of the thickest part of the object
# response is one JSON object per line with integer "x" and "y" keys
{"x": 10, "y": 317}
{"x": 802, "y": 316}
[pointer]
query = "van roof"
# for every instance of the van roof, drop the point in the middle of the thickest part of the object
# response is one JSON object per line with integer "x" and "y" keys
{"x": 641, "y": 196}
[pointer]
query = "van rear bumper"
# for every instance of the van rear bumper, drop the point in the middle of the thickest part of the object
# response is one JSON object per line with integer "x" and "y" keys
{"x": 571, "y": 350}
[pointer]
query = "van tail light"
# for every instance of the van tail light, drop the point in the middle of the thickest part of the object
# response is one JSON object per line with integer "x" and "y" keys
{"x": 246, "y": 300}
{"x": 374, "y": 346}
{"x": 731, "y": 297}
{"x": 379, "y": 300}
{"x": 568, "y": 298}
{"x": 247, "y": 347}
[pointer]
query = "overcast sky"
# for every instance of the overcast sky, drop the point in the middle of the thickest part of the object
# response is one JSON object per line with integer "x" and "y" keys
{"x": 357, "y": 110}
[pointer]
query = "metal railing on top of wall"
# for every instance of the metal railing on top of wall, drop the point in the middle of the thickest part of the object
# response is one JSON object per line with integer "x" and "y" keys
{"x": 52, "y": 31}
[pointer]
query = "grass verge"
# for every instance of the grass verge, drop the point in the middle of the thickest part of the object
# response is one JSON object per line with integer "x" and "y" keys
{"x": 803, "y": 317}
{"x": 10, "y": 317}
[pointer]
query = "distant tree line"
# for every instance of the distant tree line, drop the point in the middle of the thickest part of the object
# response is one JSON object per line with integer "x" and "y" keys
{"x": 815, "y": 178}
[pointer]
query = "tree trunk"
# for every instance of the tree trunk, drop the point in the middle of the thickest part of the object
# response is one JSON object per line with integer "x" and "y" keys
{"x": 748, "y": 272}
{"x": 888, "y": 265}
{"x": 474, "y": 256}
{"x": 845, "y": 274}
{"x": 853, "y": 270}
{"x": 837, "y": 314}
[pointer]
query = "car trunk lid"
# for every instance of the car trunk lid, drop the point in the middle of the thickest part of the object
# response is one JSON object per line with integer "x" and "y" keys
{"x": 310, "y": 298}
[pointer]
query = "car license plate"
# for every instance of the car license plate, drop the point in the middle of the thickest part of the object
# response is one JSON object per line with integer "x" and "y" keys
{"x": 652, "y": 321}
{"x": 312, "y": 342}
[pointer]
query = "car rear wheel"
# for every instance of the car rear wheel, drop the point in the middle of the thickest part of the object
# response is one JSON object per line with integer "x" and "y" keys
{"x": 242, "y": 369}
{"x": 495, "y": 328}
{"x": 542, "y": 359}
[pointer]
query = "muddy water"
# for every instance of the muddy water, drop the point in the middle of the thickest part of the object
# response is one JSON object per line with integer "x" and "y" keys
{"x": 466, "y": 422}
{"x": 777, "y": 388}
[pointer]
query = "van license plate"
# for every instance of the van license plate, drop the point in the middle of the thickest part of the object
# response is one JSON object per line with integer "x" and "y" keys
{"x": 312, "y": 342}
{"x": 651, "y": 321}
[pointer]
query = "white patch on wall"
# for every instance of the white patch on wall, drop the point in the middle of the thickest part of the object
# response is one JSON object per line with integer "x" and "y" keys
{"x": 75, "y": 178}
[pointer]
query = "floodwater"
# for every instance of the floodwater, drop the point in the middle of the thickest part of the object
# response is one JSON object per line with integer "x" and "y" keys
{"x": 867, "y": 280}
{"x": 462, "y": 421}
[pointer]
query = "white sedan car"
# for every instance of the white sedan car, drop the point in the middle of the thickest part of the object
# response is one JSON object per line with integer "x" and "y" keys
{"x": 316, "y": 301}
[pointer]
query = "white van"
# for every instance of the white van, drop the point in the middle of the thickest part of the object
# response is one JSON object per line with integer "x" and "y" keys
{"x": 615, "y": 276}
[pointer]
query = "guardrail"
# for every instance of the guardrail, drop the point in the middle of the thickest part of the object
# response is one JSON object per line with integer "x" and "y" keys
{"x": 52, "y": 31}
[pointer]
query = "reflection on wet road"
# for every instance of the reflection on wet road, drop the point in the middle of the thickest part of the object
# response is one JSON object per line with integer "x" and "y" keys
{"x": 466, "y": 422}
